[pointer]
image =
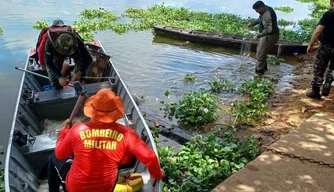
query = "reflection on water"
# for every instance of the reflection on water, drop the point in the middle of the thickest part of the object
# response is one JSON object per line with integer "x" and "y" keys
{"x": 150, "y": 65}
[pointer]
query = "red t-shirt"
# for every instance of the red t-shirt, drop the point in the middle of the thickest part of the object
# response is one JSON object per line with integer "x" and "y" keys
{"x": 98, "y": 150}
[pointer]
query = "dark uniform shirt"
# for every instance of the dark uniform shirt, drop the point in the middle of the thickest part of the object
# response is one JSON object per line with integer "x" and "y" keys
{"x": 267, "y": 23}
{"x": 327, "y": 35}
{"x": 54, "y": 60}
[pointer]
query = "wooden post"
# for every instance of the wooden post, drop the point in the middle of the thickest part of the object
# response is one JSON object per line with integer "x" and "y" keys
{"x": 279, "y": 50}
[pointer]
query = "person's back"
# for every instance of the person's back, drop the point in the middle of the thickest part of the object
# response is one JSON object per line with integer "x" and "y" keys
{"x": 327, "y": 20}
{"x": 57, "y": 47}
{"x": 98, "y": 149}
{"x": 270, "y": 14}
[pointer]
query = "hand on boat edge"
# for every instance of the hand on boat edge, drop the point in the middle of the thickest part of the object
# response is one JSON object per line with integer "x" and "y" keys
{"x": 154, "y": 180}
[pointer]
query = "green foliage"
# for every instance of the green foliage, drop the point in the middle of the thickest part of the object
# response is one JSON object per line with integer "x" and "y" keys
{"x": 155, "y": 134}
{"x": 308, "y": 26}
{"x": 284, "y": 9}
{"x": 92, "y": 20}
{"x": 204, "y": 162}
{"x": 319, "y": 7}
{"x": 219, "y": 85}
{"x": 189, "y": 77}
{"x": 98, "y": 13}
{"x": 181, "y": 17}
{"x": 256, "y": 106}
{"x": 40, "y": 25}
{"x": 272, "y": 59}
{"x": 2, "y": 178}
{"x": 285, "y": 23}
{"x": 196, "y": 108}
{"x": 1, "y": 31}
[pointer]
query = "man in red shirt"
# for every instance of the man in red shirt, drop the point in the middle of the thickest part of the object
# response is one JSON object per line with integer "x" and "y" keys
{"x": 98, "y": 148}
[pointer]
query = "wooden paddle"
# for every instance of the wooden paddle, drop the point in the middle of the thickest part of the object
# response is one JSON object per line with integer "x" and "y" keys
{"x": 79, "y": 90}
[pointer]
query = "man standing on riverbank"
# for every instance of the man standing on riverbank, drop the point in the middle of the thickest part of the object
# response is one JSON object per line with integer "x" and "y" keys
{"x": 269, "y": 34}
{"x": 324, "y": 32}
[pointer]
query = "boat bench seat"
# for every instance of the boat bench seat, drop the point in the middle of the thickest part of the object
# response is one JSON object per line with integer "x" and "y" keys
{"x": 52, "y": 95}
{"x": 43, "y": 143}
{"x": 51, "y": 103}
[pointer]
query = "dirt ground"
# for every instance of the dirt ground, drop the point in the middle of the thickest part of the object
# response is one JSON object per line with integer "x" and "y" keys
{"x": 291, "y": 107}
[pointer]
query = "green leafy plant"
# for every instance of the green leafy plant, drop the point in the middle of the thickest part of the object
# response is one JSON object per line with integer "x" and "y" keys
{"x": 284, "y": 9}
{"x": 155, "y": 134}
{"x": 271, "y": 59}
{"x": 92, "y": 20}
{"x": 204, "y": 162}
{"x": 319, "y": 7}
{"x": 285, "y": 23}
{"x": 181, "y": 17}
{"x": 189, "y": 77}
{"x": 248, "y": 111}
{"x": 2, "y": 177}
{"x": 219, "y": 85}
{"x": 196, "y": 108}
{"x": 40, "y": 25}
{"x": 1, "y": 31}
{"x": 169, "y": 107}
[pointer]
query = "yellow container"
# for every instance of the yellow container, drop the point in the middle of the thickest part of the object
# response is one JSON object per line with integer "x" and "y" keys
{"x": 133, "y": 183}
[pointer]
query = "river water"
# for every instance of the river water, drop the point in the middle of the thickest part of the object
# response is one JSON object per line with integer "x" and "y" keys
{"x": 149, "y": 65}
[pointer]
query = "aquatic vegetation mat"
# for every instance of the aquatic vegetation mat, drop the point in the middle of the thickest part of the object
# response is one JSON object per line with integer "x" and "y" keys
{"x": 204, "y": 162}
{"x": 92, "y": 20}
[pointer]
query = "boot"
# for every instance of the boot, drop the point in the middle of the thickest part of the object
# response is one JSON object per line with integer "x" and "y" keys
{"x": 326, "y": 88}
{"x": 315, "y": 94}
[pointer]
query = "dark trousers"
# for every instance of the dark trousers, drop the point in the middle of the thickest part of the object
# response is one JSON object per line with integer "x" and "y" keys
{"x": 265, "y": 45}
{"x": 324, "y": 56}
{"x": 57, "y": 172}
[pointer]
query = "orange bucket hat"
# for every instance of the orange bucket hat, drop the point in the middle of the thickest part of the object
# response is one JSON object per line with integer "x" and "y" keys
{"x": 105, "y": 106}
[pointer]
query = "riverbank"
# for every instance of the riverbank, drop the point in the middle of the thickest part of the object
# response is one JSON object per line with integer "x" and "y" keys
{"x": 300, "y": 161}
{"x": 290, "y": 107}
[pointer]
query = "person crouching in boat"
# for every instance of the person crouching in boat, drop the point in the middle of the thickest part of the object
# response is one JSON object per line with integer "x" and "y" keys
{"x": 269, "y": 34}
{"x": 58, "y": 43}
{"x": 98, "y": 148}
